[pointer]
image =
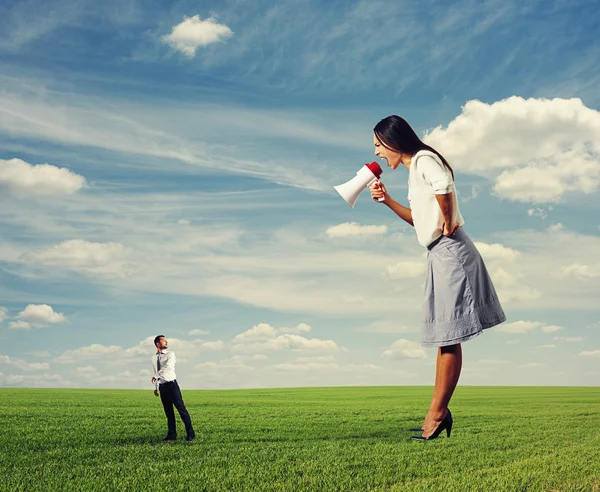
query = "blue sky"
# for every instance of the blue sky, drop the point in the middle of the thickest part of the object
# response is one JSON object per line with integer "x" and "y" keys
{"x": 169, "y": 168}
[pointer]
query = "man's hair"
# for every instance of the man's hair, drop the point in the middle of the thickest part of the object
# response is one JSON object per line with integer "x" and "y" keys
{"x": 157, "y": 338}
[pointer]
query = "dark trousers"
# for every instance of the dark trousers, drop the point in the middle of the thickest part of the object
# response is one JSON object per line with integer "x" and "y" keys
{"x": 170, "y": 395}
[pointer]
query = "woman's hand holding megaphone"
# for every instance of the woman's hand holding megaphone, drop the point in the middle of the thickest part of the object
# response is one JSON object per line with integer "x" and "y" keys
{"x": 378, "y": 192}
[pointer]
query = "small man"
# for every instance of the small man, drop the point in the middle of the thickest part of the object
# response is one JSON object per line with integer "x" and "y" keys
{"x": 170, "y": 394}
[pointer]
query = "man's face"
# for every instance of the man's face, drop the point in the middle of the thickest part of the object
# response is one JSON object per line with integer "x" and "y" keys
{"x": 162, "y": 343}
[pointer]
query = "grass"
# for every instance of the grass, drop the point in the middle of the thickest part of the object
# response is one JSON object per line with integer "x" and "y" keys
{"x": 356, "y": 438}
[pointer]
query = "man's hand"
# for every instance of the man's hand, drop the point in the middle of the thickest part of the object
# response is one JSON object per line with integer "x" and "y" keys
{"x": 153, "y": 380}
{"x": 155, "y": 392}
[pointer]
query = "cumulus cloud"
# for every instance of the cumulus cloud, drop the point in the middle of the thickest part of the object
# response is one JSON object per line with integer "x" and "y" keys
{"x": 37, "y": 316}
{"x": 539, "y": 150}
{"x": 22, "y": 178}
{"x": 266, "y": 338}
{"x": 556, "y": 227}
{"x": 93, "y": 351}
{"x": 590, "y": 353}
{"x": 532, "y": 365}
{"x": 526, "y": 326}
{"x": 288, "y": 342}
{"x": 35, "y": 381}
{"x": 510, "y": 286}
{"x": 403, "y": 349}
{"x": 549, "y": 181}
{"x": 569, "y": 339}
{"x": 405, "y": 269}
{"x": 194, "y": 32}
{"x": 582, "y": 272}
{"x": 105, "y": 259}
{"x": 541, "y": 212}
{"x": 198, "y": 332}
{"x": 354, "y": 229}
{"x": 264, "y": 331}
{"x": 22, "y": 364}
{"x": 496, "y": 251}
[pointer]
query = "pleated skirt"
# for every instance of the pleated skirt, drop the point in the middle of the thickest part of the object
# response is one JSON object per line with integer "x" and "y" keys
{"x": 460, "y": 298}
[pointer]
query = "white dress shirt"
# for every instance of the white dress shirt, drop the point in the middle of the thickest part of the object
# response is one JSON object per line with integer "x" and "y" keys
{"x": 429, "y": 177}
{"x": 167, "y": 367}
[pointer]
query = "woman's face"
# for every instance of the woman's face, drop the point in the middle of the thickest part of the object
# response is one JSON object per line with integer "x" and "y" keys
{"x": 392, "y": 157}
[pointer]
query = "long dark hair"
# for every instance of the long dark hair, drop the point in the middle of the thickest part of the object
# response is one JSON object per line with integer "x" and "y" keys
{"x": 397, "y": 135}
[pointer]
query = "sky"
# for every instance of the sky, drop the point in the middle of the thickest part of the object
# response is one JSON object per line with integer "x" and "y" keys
{"x": 168, "y": 168}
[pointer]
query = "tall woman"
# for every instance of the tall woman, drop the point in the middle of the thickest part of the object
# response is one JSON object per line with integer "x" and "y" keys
{"x": 460, "y": 299}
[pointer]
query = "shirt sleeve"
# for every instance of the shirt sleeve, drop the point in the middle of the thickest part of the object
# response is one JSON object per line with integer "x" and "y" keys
{"x": 435, "y": 174}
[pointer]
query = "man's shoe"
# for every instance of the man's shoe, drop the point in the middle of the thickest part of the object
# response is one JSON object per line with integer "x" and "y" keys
{"x": 190, "y": 437}
{"x": 170, "y": 438}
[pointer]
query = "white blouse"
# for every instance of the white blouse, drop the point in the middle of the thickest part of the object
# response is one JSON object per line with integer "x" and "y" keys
{"x": 429, "y": 177}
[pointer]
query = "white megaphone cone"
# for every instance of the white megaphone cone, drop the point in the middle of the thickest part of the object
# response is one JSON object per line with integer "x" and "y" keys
{"x": 367, "y": 175}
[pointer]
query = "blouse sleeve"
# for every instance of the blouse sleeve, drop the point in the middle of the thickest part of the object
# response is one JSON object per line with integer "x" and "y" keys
{"x": 435, "y": 174}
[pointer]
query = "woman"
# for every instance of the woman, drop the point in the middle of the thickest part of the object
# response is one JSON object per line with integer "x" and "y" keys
{"x": 460, "y": 299}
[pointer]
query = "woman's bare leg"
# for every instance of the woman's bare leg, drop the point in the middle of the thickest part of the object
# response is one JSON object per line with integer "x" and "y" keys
{"x": 447, "y": 373}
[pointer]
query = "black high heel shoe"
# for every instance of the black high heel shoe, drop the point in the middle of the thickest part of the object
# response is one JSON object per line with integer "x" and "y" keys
{"x": 444, "y": 424}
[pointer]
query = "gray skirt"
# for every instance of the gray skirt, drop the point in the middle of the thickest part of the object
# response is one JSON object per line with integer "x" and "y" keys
{"x": 460, "y": 299}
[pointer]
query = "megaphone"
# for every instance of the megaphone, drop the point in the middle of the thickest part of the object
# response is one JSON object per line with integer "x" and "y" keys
{"x": 365, "y": 177}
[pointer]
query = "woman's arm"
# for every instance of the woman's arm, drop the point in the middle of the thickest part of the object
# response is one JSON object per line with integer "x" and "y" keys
{"x": 378, "y": 190}
{"x": 446, "y": 203}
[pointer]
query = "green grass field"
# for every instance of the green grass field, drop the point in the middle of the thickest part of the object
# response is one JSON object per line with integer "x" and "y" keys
{"x": 355, "y": 438}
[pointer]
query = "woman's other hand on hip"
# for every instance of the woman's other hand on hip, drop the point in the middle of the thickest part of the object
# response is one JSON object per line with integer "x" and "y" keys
{"x": 446, "y": 231}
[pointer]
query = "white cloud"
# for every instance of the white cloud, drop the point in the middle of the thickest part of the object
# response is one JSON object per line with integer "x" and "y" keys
{"x": 353, "y": 229}
{"x": 388, "y": 326}
{"x": 406, "y": 269}
{"x": 37, "y": 316}
{"x": 105, "y": 259}
{"x": 495, "y": 251}
{"x": 404, "y": 349}
{"x": 490, "y": 362}
{"x": 545, "y": 148}
{"x": 35, "y": 381}
{"x": 556, "y": 227}
{"x": 299, "y": 328}
{"x": 22, "y": 178}
{"x": 510, "y": 286}
{"x": 526, "y": 326}
{"x": 549, "y": 181}
{"x": 590, "y": 353}
{"x": 93, "y": 351}
{"x": 218, "y": 345}
{"x": 198, "y": 332}
{"x": 3, "y": 312}
{"x": 546, "y": 346}
{"x": 22, "y": 364}
{"x": 541, "y": 212}
{"x": 583, "y": 272}
{"x": 193, "y": 32}
{"x": 569, "y": 339}
{"x": 288, "y": 342}
{"x": 532, "y": 365}
{"x": 264, "y": 331}
{"x": 87, "y": 372}
{"x": 550, "y": 328}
